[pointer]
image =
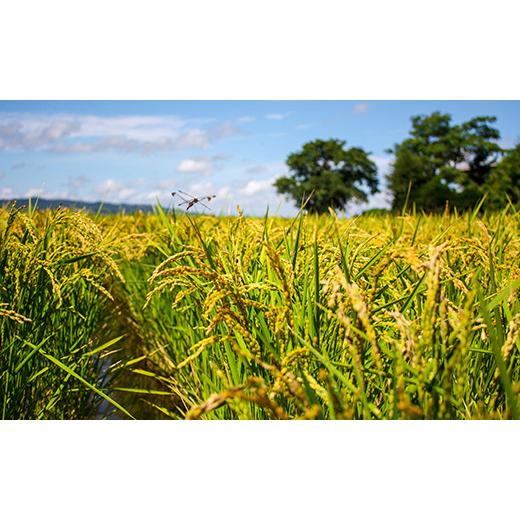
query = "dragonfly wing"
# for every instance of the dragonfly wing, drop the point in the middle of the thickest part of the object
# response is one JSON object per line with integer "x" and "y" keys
{"x": 204, "y": 205}
{"x": 183, "y": 198}
{"x": 187, "y": 194}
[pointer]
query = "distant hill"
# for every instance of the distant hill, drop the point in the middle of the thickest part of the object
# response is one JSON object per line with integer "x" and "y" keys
{"x": 93, "y": 207}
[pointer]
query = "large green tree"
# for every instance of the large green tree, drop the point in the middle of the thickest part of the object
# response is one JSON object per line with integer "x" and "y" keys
{"x": 504, "y": 180}
{"x": 441, "y": 162}
{"x": 329, "y": 175}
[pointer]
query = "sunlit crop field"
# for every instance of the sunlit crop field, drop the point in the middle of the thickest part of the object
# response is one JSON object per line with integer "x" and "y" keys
{"x": 179, "y": 316}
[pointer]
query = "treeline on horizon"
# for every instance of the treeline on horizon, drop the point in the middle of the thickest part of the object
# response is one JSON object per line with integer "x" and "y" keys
{"x": 102, "y": 208}
{"x": 440, "y": 164}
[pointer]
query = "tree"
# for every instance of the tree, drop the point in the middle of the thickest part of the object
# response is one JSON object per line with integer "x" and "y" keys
{"x": 442, "y": 162}
{"x": 329, "y": 175}
{"x": 504, "y": 180}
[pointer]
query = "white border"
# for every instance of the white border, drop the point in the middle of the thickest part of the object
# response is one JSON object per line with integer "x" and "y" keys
{"x": 231, "y": 49}
{"x": 235, "y": 470}
{"x": 261, "y": 50}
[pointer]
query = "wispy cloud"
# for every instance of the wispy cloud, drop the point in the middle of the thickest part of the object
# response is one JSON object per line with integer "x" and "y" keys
{"x": 360, "y": 108}
{"x": 194, "y": 138}
{"x": 34, "y": 192}
{"x": 202, "y": 164}
{"x": 224, "y": 193}
{"x": 16, "y": 136}
{"x": 73, "y": 134}
{"x": 77, "y": 182}
{"x": 115, "y": 191}
{"x": 194, "y": 166}
{"x": 245, "y": 119}
{"x": 506, "y": 142}
{"x": 191, "y": 139}
{"x": 271, "y": 169}
{"x": 256, "y": 196}
{"x": 44, "y": 193}
{"x": 276, "y": 116}
{"x": 253, "y": 170}
{"x": 224, "y": 130}
{"x": 6, "y": 192}
{"x": 254, "y": 187}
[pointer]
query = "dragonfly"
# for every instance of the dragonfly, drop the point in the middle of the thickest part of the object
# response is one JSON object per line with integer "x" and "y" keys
{"x": 191, "y": 200}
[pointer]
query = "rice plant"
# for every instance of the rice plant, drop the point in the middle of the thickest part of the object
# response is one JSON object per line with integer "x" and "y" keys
{"x": 55, "y": 272}
{"x": 180, "y": 316}
{"x": 377, "y": 317}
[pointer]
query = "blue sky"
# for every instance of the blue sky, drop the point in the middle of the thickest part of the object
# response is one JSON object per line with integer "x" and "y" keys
{"x": 137, "y": 151}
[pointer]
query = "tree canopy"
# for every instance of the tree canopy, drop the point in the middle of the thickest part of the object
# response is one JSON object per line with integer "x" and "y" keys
{"x": 504, "y": 180}
{"x": 443, "y": 162}
{"x": 328, "y": 175}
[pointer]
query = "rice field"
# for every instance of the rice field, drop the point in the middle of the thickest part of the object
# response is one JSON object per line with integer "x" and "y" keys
{"x": 185, "y": 316}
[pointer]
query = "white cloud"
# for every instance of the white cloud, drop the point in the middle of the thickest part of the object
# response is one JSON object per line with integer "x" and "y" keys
{"x": 245, "y": 119}
{"x": 224, "y": 193}
{"x": 255, "y": 187}
{"x": 136, "y": 127}
{"x": 109, "y": 186}
{"x": 203, "y": 164}
{"x": 194, "y": 138}
{"x": 75, "y": 148}
{"x": 153, "y": 194}
{"x": 6, "y": 192}
{"x": 121, "y": 143}
{"x": 303, "y": 126}
{"x": 15, "y": 136}
{"x": 256, "y": 196}
{"x": 381, "y": 200}
{"x": 126, "y": 194}
{"x": 151, "y": 197}
{"x": 359, "y": 108}
{"x": 164, "y": 184}
{"x": 383, "y": 163}
{"x": 77, "y": 182}
{"x": 142, "y": 128}
{"x": 277, "y": 116}
{"x": 274, "y": 169}
{"x": 111, "y": 190}
{"x": 259, "y": 168}
{"x": 195, "y": 166}
{"x": 201, "y": 189}
{"x": 33, "y": 192}
{"x": 43, "y": 193}
{"x": 506, "y": 142}
{"x": 224, "y": 130}
{"x": 67, "y": 133}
